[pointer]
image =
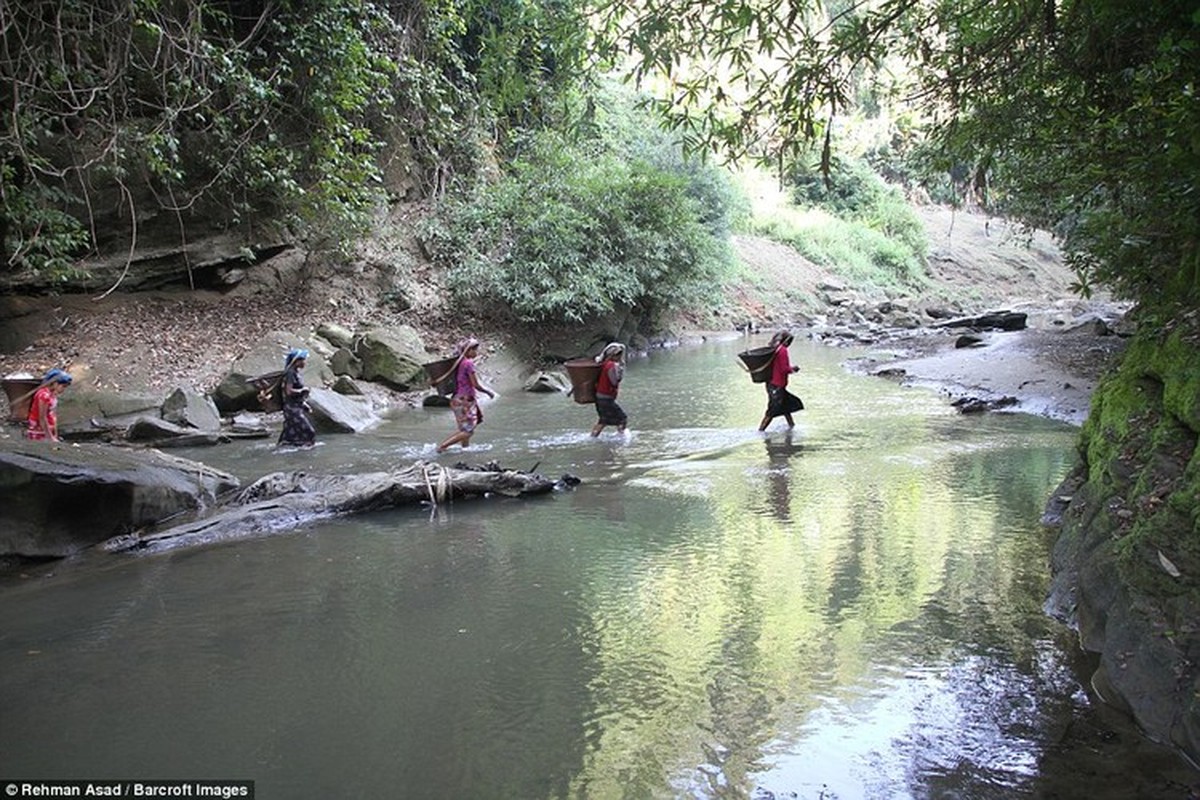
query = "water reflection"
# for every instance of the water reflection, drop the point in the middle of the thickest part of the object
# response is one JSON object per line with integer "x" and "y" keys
{"x": 780, "y": 450}
{"x": 850, "y": 608}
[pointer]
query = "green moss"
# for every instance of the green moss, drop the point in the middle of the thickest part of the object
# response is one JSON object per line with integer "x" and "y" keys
{"x": 1177, "y": 364}
{"x": 1140, "y": 448}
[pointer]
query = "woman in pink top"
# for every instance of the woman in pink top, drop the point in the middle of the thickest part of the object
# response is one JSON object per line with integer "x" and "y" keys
{"x": 465, "y": 404}
{"x": 781, "y": 402}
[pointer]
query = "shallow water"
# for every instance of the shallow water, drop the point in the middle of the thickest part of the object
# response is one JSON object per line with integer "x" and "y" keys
{"x": 850, "y": 609}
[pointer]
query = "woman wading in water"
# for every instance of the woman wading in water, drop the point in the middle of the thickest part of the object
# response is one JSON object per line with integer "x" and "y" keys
{"x": 780, "y": 402}
{"x": 612, "y": 370}
{"x": 298, "y": 430}
{"x": 465, "y": 403}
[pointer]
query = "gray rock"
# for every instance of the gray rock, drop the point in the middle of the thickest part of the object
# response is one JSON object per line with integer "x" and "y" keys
{"x": 1090, "y": 325}
{"x": 344, "y": 362}
{"x": 340, "y": 414}
{"x": 247, "y": 424}
{"x": 336, "y": 335}
{"x": 234, "y": 394}
{"x": 346, "y": 385}
{"x": 547, "y": 382}
{"x": 79, "y": 404}
{"x": 231, "y": 277}
{"x": 148, "y": 429}
{"x": 393, "y": 357}
{"x": 190, "y": 408}
{"x": 57, "y": 500}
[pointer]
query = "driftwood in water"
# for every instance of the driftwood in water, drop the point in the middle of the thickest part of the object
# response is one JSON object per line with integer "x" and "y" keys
{"x": 285, "y": 500}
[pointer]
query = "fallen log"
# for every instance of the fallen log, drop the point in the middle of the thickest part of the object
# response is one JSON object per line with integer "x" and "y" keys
{"x": 993, "y": 320}
{"x": 286, "y": 500}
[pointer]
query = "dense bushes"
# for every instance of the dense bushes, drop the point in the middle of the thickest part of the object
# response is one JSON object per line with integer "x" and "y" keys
{"x": 213, "y": 114}
{"x": 579, "y": 229}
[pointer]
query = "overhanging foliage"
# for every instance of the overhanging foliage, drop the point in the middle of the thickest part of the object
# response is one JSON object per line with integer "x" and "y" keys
{"x": 1079, "y": 115}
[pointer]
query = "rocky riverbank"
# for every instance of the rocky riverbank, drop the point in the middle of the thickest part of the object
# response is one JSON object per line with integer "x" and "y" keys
{"x": 129, "y": 352}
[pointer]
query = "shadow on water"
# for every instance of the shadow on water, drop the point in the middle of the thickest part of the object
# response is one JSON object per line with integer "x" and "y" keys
{"x": 850, "y": 609}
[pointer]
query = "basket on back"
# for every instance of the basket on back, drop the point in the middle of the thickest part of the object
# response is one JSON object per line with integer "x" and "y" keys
{"x": 270, "y": 390}
{"x": 758, "y": 362}
{"x": 583, "y": 372}
{"x": 20, "y": 390}
{"x": 442, "y": 375}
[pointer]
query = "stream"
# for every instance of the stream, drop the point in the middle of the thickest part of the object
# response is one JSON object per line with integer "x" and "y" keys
{"x": 851, "y": 609}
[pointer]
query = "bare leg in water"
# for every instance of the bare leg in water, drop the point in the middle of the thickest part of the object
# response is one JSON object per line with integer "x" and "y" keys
{"x": 766, "y": 420}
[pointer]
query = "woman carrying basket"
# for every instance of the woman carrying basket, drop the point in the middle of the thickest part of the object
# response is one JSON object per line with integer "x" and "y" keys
{"x": 298, "y": 430}
{"x": 780, "y": 402}
{"x": 465, "y": 403}
{"x": 612, "y": 370}
{"x": 41, "y": 424}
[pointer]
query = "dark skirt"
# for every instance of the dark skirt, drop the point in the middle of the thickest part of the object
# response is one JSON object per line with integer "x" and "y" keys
{"x": 298, "y": 430}
{"x": 609, "y": 412}
{"x": 780, "y": 401}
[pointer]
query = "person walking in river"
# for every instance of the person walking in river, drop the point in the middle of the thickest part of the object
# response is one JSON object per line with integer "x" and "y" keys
{"x": 780, "y": 402}
{"x": 42, "y": 421}
{"x": 612, "y": 370}
{"x": 298, "y": 430}
{"x": 465, "y": 402}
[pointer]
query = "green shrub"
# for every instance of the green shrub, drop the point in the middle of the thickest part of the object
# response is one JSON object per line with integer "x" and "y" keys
{"x": 578, "y": 230}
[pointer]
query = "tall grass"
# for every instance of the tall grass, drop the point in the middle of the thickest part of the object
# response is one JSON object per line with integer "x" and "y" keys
{"x": 865, "y": 233}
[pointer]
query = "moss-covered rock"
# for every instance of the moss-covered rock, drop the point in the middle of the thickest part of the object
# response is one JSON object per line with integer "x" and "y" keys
{"x": 393, "y": 356}
{"x": 1127, "y": 562}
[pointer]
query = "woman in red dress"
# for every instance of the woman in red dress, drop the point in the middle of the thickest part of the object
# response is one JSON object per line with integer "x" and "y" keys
{"x": 781, "y": 402}
{"x": 42, "y": 422}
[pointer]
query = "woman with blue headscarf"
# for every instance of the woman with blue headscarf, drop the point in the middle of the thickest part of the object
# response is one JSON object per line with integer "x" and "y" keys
{"x": 42, "y": 421}
{"x": 298, "y": 430}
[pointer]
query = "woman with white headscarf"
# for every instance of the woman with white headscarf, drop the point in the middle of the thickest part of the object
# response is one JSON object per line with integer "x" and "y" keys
{"x": 465, "y": 403}
{"x": 612, "y": 370}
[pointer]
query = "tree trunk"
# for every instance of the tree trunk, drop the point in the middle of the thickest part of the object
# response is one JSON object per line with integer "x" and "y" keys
{"x": 285, "y": 500}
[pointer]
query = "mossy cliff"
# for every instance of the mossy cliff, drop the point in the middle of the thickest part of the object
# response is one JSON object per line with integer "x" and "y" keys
{"x": 1127, "y": 562}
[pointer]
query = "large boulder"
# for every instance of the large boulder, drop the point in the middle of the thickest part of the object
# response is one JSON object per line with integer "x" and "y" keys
{"x": 344, "y": 362}
{"x": 340, "y": 414}
{"x": 394, "y": 357}
{"x": 235, "y": 394}
{"x": 57, "y": 500}
{"x": 547, "y": 382}
{"x": 79, "y": 404}
{"x": 335, "y": 334}
{"x": 191, "y": 409}
{"x": 155, "y": 432}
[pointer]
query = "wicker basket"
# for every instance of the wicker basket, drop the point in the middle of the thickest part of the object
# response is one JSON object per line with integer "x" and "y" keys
{"x": 583, "y": 372}
{"x": 443, "y": 369}
{"x": 20, "y": 396}
{"x": 758, "y": 362}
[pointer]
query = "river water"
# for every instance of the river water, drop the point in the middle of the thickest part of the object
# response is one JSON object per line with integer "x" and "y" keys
{"x": 852, "y": 609}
